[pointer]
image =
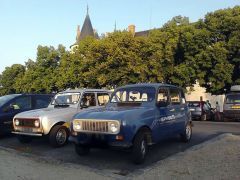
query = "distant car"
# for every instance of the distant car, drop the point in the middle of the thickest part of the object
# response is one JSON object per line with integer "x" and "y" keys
{"x": 136, "y": 116}
{"x": 200, "y": 110}
{"x": 231, "y": 106}
{"x": 51, "y": 121}
{"x": 12, "y": 104}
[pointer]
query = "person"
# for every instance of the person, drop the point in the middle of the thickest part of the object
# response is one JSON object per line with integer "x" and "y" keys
{"x": 218, "y": 115}
{"x": 209, "y": 104}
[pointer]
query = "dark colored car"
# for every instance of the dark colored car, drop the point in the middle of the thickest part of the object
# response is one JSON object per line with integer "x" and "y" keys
{"x": 200, "y": 110}
{"x": 12, "y": 104}
{"x": 231, "y": 106}
{"x": 136, "y": 116}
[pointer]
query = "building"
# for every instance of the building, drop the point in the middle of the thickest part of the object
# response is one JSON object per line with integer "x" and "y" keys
{"x": 87, "y": 30}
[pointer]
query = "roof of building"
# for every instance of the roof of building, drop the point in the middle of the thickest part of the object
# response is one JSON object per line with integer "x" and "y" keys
{"x": 87, "y": 29}
{"x": 142, "y": 33}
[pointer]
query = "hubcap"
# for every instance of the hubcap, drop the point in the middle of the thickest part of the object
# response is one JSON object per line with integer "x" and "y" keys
{"x": 143, "y": 148}
{"x": 61, "y": 136}
{"x": 188, "y": 131}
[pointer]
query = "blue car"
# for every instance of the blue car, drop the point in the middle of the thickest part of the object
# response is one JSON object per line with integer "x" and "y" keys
{"x": 12, "y": 104}
{"x": 135, "y": 117}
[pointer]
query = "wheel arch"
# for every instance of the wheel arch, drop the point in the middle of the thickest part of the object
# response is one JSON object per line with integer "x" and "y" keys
{"x": 148, "y": 131}
{"x": 58, "y": 123}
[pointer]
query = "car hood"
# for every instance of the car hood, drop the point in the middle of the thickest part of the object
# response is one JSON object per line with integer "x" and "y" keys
{"x": 48, "y": 112}
{"x": 114, "y": 113}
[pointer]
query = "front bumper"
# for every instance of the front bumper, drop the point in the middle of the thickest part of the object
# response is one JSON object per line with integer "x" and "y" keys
{"x": 27, "y": 134}
{"x": 28, "y": 131}
{"x": 99, "y": 140}
{"x": 232, "y": 114}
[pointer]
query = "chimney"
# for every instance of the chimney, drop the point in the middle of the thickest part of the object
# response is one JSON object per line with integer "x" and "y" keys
{"x": 131, "y": 29}
{"x": 78, "y": 33}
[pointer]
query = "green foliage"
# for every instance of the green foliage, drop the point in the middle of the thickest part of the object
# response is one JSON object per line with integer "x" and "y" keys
{"x": 181, "y": 53}
{"x": 9, "y": 77}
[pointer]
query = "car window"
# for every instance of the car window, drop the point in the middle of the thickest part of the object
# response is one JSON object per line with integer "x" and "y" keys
{"x": 88, "y": 99}
{"x": 102, "y": 98}
{"x": 233, "y": 99}
{"x": 22, "y": 103}
{"x": 5, "y": 99}
{"x": 194, "y": 104}
{"x": 162, "y": 98}
{"x": 42, "y": 101}
{"x": 134, "y": 94}
{"x": 66, "y": 98}
{"x": 175, "y": 96}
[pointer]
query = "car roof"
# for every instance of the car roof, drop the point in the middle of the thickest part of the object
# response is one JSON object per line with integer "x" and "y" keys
{"x": 84, "y": 90}
{"x": 155, "y": 85}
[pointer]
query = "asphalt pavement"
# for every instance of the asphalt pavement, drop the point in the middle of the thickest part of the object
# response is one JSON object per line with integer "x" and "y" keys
{"x": 119, "y": 162}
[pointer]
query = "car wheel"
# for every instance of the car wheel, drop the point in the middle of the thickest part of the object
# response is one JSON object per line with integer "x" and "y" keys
{"x": 140, "y": 147}
{"x": 24, "y": 139}
{"x": 58, "y": 136}
{"x": 82, "y": 150}
{"x": 204, "y": 117}
{"x": 187, "y": 135}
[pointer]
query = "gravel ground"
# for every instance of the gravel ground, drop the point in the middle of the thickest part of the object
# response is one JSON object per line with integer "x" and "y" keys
{"x": 218, "y": 158}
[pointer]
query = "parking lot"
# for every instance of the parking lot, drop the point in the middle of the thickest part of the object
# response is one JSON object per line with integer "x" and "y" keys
{"x": 119, "y": 162}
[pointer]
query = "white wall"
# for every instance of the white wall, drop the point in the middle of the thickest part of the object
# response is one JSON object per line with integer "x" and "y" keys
{"x": 197, "y": 92}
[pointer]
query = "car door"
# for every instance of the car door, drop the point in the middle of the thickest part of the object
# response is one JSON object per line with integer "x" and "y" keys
{"x": 17, "y": 105}
{"x": 178, "y": 108}
{"x": 161, "y": 127}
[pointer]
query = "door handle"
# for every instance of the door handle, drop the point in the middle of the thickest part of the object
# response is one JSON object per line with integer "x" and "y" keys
{"x": 172, "y": 110}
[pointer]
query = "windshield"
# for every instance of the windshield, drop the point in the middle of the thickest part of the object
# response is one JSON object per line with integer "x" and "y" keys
{"x": 233, "y": 99}
{"x": 66, "y": 99}
{"x": 134, "y": 94}
{"x": 5, "y": 99}
{"x": 194, "y": 104}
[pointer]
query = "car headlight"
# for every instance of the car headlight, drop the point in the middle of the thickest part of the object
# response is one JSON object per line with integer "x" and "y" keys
{"x": 17, "y": 122}
{"x": 36, "y": 123}
{"x": 113, "y": 127}
{"x": 77, "y": 125}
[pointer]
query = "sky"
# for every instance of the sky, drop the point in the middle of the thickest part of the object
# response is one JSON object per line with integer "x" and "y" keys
{"x": 25, "y": 24}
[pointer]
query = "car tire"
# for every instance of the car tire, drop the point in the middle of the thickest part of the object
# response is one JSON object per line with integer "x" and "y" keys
{"x": 24, "y": 139}
{"x": 82, "y": 150}
{"x": 140, "y": 147}
{"x": 204, "y": 117}
{"x": 187, "y": 134}
{"x": 58, "y": 136}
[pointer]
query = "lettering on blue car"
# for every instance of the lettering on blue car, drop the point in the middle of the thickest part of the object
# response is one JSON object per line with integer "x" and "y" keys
{"x": 162, "y": 119}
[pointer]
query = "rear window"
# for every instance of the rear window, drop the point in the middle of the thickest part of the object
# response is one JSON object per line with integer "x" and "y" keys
{"x": 233, "y": 99}
{"x": 194, "y": 104}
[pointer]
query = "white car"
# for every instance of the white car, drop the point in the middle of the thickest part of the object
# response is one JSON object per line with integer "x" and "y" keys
{"x": 52, "y": 121}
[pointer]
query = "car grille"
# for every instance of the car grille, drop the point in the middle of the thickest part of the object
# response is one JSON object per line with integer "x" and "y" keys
{"x": 26, "y": 122}
{"x": 95, "y": 126}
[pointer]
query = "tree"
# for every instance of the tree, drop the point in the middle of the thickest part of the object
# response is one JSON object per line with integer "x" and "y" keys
{"x": 9, "y": 77}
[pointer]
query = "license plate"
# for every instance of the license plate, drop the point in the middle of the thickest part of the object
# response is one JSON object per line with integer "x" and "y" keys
{"x": 27, "y": 130}
{"x": 192, "y": 109}
{"x": 235, "y": 107}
